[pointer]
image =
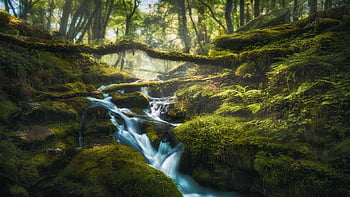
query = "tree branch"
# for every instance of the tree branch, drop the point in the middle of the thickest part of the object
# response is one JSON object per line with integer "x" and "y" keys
{"x": 228, "y": 61}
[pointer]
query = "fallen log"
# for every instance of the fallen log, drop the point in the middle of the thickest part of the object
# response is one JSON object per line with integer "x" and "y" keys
{"x": 229, "y": 61}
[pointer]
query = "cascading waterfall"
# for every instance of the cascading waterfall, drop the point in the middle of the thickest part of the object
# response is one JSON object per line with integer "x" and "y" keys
{"x": 166, "y": 158}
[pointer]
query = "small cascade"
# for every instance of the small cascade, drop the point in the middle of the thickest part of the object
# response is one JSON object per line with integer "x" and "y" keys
{"x": 166, "y": 158}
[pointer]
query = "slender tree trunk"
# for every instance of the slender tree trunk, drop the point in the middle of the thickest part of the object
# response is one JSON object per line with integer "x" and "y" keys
{"x": 295, "y": 10}
{"x": 327, "y": 4}
{"x": 79, "y": 20}
{"x": 65, "y": 15}
{"x": 247, "y": 12}
{"x": 183, "y": 31}
{"x": 199, "y": 41}
{"x": 312, "y": 6}
{"x": 228, "y": 16}
{"x": 6, "y": 4}
{"x": 51, "y": 8}
{"x": 212, "y": 13}
{"x": 272, "y": 4}
{"x": 97, "y": 22}
{"x": 283, "y": 3}
{"x": 241, "y": 12}
{"x": 108, "y": 11}
{"x": 256, "y": 8}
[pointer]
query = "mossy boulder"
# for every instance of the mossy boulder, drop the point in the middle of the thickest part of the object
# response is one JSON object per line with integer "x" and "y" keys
{"x": 194, "y": 100}
{"x": 130, "y": 100}
{"x": 257, "y": 156}
{"x": 112, "y": 170}
{"x": 49, "y": 111}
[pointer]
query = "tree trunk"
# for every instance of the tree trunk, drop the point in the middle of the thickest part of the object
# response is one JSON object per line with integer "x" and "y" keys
{"x": 247, "y": 13}
{"x": 283, "y": 3}
{"x": 228, "y": 16}
{"x": 51, "y": 8}
{"x": 295, "y": 10}
{"x": 97, "y": 22}
{"x": 7, "y": 6}
{"x": 256, "y": 8}
{"x": 327, "y": 4}
{"x": 241, "y": 12}
{"x": 79, "y": 20}
{"x": 272, "y": 5}
{"x": 312, "y": 6}
{"x": 212, "y": 13}
{"x": 183, "y": 31}
{"x": 65, "y": 15}
{"x": 199, "y": 41}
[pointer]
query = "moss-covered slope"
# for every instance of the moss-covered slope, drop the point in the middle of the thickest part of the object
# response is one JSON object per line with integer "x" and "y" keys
{"x": 275, "y": 126}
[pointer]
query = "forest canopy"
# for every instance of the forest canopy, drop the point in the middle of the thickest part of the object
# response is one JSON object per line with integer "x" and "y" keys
{"x": 181, "y": 25}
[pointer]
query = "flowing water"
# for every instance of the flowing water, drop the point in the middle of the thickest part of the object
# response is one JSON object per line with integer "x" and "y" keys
{"x": 166, "y": 158}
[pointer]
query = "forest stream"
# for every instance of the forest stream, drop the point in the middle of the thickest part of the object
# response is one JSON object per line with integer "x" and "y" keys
{"x": 166, "y": 158}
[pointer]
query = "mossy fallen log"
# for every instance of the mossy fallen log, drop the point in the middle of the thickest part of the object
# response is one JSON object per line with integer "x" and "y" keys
{"x": 156, "y": 84}
{"x": 243, "y": 40}
{"x": 228, "y": 60}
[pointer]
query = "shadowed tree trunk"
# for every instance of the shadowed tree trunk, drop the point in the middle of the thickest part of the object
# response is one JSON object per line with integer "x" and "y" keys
{"x": 67, "y": 9}
{"x": 199, "y": 41}
{"x": 228, "y": 16}
{"x": 256, "y": 8}
{"x": 312, "y": 6}
{"x": 241, "y": 12}
{"x": 183, "y": 31}
{"x": 327, "y": 4}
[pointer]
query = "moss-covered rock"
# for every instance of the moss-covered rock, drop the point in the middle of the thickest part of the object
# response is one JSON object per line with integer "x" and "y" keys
{"x": 191, "y": 100}
{"x": 222, "y": 152}
{"x": 130, "y": 100}
{"x": 112, "y": 170}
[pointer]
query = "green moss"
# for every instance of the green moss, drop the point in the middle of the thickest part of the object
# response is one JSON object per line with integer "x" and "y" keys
{"x": 190, "y": 101}
{"x": 50, "y": 111}
{"x": 7, "y": 109}
{"x": 113, "y": 170}
{"x": 18, "y": 191}
{"x": 130, "y": 100}
{"x": 241, "y": 41}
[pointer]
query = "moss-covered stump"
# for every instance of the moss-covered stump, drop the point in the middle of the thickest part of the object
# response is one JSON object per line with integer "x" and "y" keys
{"x": 112, "y": 170}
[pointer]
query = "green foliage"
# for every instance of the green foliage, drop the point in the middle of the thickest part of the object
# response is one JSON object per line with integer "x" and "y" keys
{"x": 239, "y": 101}
{"x": 18, "y": 191}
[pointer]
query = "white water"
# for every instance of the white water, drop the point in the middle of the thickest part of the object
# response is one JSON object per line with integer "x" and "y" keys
{"x": 166, "y": 158}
